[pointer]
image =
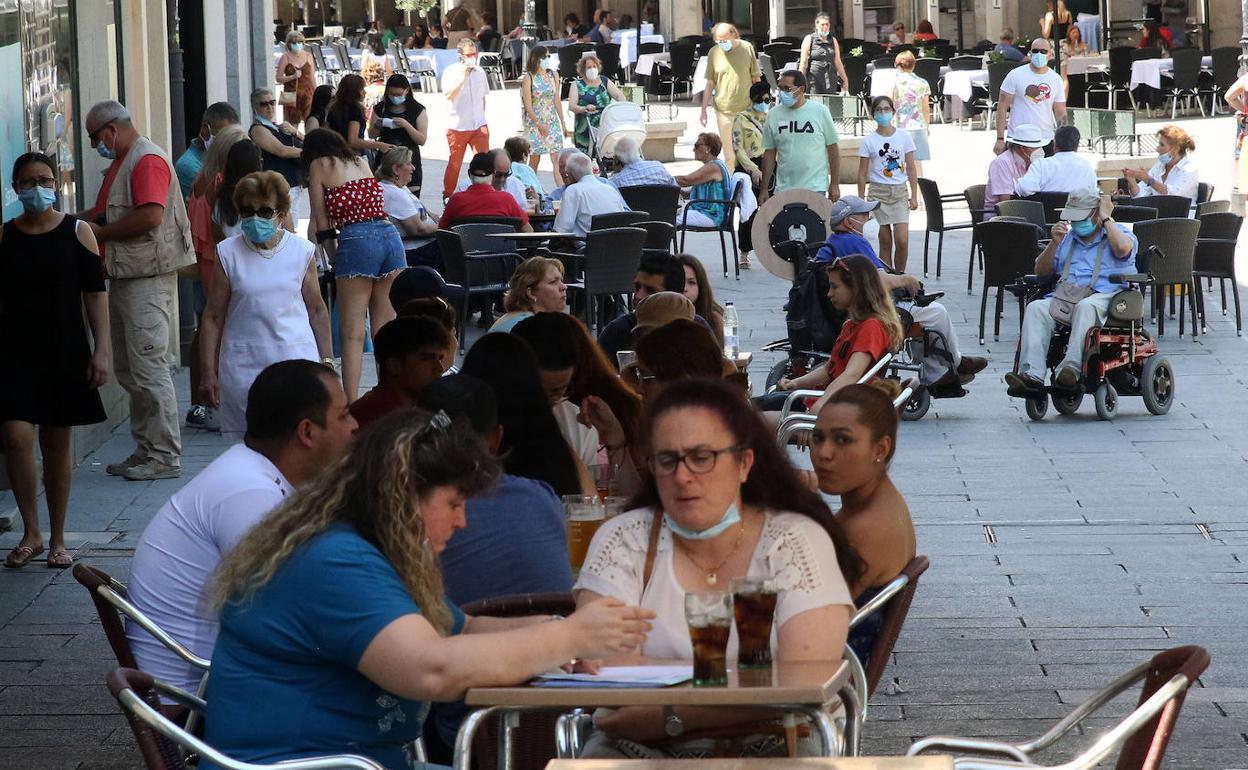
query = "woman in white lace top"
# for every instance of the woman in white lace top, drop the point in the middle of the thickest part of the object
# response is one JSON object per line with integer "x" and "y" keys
{"x": 731, "y": 505}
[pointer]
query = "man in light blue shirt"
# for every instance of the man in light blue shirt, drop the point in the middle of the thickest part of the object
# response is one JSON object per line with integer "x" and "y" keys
{"x": 635, "y": 169}
{"x": 585, "y": 197}
{"x": 1091, "y": 235}
{"x": 216, "y": 117}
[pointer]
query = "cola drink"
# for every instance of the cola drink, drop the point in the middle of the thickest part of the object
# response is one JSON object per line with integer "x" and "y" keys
{"x": 754, "y": 605}
{"x": 710, "y": 652}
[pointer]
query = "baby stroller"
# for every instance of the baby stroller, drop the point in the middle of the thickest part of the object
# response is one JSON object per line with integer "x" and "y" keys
{"x": 619, "y": 119}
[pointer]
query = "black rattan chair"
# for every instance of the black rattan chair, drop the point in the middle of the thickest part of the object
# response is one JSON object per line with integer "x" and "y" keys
{"x": 728, "y": 225}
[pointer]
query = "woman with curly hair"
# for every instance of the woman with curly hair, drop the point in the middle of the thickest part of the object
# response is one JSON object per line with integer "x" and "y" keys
{"x": 334, "y": 620}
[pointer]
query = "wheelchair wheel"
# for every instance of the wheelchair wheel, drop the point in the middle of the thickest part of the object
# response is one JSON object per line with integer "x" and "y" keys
{"x": 1036, "y": 407}
{"x": 917, "y": 406}
{"x": 1157, "y": 385}
{"x": 777, "y": 373}
{"x": 1067, "y": 403}
{"x": 1106, "y": 401}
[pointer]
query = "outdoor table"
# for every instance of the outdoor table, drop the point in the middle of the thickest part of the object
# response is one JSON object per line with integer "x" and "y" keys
{"x": 883, "y": 79}
{"x": 645, "y": 63}
{"x": 959, "y": 85}
{"x": 935, "y": 762}
{"x": 530, "y": 243}
{"x": 1148, "y": 72}
{"x": 1079, "y": 65}
{"x": 628, "y": 40}
{"x": 792, "y": 687}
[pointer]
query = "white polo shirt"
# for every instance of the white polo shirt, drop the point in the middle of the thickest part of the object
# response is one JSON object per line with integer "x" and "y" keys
{"x": 1063, "y": 172}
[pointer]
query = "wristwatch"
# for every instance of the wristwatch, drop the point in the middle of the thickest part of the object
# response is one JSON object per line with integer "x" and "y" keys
{"x": 671, "y": 723}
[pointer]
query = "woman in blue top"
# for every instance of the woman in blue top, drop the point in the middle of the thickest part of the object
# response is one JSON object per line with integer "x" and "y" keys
{"x": 710, "y": 182}
{"x": 335, "y": 631}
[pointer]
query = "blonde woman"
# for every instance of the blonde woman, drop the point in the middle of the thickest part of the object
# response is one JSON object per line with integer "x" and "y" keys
{"x": 1174, "y": 173}
{"x": 587, "y": 97}
{"x": 296, "y": 74}
{"x": 536, "y": 287}
{"x": 360, "y": 661}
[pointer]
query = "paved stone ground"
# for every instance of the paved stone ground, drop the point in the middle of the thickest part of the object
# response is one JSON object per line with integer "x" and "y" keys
{"x": 1063, "y": 552}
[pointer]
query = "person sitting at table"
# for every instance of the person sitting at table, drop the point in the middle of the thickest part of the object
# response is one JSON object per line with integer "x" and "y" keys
{"x": 562, "y": 165}
{"x": 655, "y": 273}
{"x": 480, "y": 198}
{"x": 333, "y": 615}
{"x": 923, "y": 32}
{"x": 374, "y": 52}
{"x": 410, "y": 353}
{"x": 1062, "y": 172}
{"x": 415, "y": 223}
{"x": 851, "y": 447}
{"x": 635, "y": 169}
{"x": 1074, "y": 45}
{"x": 535, "y": 286}
{"x": 1006, "y": 46}
{"x": 1006, "y": 169}
{"x": 1154, "y": 35}
{"x": 586, "y": 196}
{"x": 710, "y": 181}
{"x": 606, "y": 25}
{"x": 1174, "y": 173}
{"x": 721, "y": 501}
{"x": 518, "y": 152}
{"x": 505, "y": 180}
{"x": 898, "y": 34}
{"x": 420, "y": 38}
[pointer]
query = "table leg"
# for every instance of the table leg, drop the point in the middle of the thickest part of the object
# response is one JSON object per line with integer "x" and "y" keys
{"x": 467, "y": 732}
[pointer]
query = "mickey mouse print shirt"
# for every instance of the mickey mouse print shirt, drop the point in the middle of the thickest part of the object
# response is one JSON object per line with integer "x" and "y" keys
{"x": 887, "y": 156}
{"x": 1034, "y": 96}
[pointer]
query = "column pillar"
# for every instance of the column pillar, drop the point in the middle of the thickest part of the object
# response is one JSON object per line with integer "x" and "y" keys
{"x": 678, "y": 18}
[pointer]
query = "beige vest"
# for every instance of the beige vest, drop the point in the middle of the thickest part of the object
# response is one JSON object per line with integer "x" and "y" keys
{"x": 165, "y": 248}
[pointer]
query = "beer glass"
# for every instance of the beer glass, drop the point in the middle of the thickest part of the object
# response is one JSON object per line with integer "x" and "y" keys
{"x": 709, "y": 615}
{"x": 754, "y": 605}
{"x": 584, "y": 516}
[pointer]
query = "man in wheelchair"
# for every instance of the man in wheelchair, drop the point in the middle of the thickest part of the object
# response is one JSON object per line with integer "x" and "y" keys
{"x": 947, "y": 368}
{"x": 1087, "y": 248}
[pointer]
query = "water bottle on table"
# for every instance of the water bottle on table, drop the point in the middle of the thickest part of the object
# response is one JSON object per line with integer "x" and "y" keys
{"x": 732, "y": 343}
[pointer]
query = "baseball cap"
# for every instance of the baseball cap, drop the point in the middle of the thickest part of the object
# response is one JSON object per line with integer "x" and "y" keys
{"x": 1025, "y": 135}
{"x": 482, "y": 164}
{"x": 662, "y": 308}
{"x": 1080, "y": 204}
{"x": 850, "y": 204}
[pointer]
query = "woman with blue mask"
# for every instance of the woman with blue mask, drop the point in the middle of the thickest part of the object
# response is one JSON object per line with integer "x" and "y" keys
{"x": 49, "y": 270}
{"x": 887, "y": 173}
{"x": 401, "y": 121}
{"x": 1174, "y": 173}
{"x": 820, "y": 59}
{"x": 296, "y": 75}
{"x": 720, "y": 501}
{"x": 264, "y": 303}
{"x": 731, "y": 68}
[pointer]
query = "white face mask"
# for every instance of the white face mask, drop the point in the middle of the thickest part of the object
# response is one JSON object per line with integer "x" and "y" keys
{"x": 591, "y": 73}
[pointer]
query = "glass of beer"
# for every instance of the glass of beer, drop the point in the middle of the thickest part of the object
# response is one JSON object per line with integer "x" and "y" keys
{"x": 754, "y": 605}
{"x": 614, "y": 506}
{"x": 709, "y": 616}
{"x": 584, "y": 515}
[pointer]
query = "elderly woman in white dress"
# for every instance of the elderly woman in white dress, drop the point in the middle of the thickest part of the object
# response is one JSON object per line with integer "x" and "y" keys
{"x": 1174, "y": 173}
{"x": 264, "y": 304}
{"x": 415, "y": 223}
{"x": 721, "y": 502}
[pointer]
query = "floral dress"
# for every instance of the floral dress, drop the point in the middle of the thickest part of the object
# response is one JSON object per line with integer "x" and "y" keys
{"x": 545, "y": 105}
{"x": 587, "y": 95}
{"x": 909, "y": 93}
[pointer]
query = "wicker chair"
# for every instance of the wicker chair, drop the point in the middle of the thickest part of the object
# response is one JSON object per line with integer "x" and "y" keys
{"x": 661, "y": 200}
{"x": 1212, "y": 207}
{"x": 1133, "y": 214}
{"x": 478, "y": 275}
{"x": 1031, "y": 211}
{"x": 1168, "y": 206}
{"x": 934, "y": 205}
{"x": 1010, "y": 250}
{"x": 1215, "y": 258}
{"x": 618, "y": 219}
{"x": 974, "y": 196}
{"x": 728, "y": 225}
{"x": 1175, "y": 242}
{"x": 1140, "y": 738}
{"x": 607, "y": 267}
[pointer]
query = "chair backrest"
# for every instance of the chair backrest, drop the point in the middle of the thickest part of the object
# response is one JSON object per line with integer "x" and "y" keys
{"x": 159, "y": 752}
{"x": 767, "y": 66}
{"x": 1129, "y": 214}
{"x": 790, "y": 40}
{"x": 1010, "y": 250}
{"x": 1225, "y": 66}
{"x": 1204, "y": 191}
{"x": 454, "y": 258}
{"x": 855, "y": 73}
{"x": 569, "y": 55}
{"x": 966, "y": 62}
{"x": 929, "y": 70}
{"x": 400, "y": 57}
{"x": 522, "y": 605}
{"x": 1175, "y": 238}
{"x": 996, "y": 76}
{"x": 1212, "y": 207}
{"x": 658, "y": 235}
{"x": 661, "y": 200}
{"x": 609, "y": 55}
{"x": 885, "y": 62}
{"x": 318, "y": 56}
{"x": 1120, "y": 58}
{"x": 617, "y": 219}
{"x": 1032, "y": 211}
{"x": 871, "y": 49}
{"x": 703, "y": 47}
{"x": 1186, "y": 68}
{"x": 611, "y": 259}
{"x": 1147, "y": 745}
{"x": 1139, "y": 54}
{"x": 1169, "y": 206}
{"x": 682, "y": 61}
{"x": 975, "y": 195}
{"x": 1222, "y": 225}
{"x": 1053, "y": 203}
{"x": 894, "y": 618}
{"x": 475, "y": 236}
{"x": 94, "y": 578}
{"x": 932, "y": 204}
{"x": 645, "y": 48}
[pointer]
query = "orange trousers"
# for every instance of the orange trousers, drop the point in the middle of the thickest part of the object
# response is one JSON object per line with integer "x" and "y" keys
{"x": 458, "y": 142}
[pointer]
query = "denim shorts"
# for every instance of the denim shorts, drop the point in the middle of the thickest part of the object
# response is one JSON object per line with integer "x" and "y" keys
{"x": 370, "y": 249}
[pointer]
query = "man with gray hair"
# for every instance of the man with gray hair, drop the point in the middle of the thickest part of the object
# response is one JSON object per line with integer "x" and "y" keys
{"x": 585, "y": 197}
{"x": 564, "y": 154}
{"x": 635, "y": 169}
{"x": 140, "y": 222}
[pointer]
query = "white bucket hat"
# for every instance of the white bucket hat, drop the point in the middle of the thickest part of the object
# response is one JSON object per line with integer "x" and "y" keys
{"x": 1025, "y": 135}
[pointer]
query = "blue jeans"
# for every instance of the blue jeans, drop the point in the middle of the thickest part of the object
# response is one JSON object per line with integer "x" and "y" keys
{"x": 369, "y": 249}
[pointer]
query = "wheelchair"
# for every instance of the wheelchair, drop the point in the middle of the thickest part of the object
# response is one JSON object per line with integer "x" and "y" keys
{"x": 1120, "y": 358}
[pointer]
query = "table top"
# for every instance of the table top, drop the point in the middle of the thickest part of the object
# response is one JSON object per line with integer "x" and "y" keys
{"x": 793, "y": 683}
{"x": 938, "y": 762}
{"x": 535, "y": 236}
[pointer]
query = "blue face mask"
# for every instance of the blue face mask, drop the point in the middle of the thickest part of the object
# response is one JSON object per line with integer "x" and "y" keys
{"x": 262, "y": 120}
{"x": 787, "y": 99}
{"x": 884, "y": 119}
{"x": 730, "y": 518}
{"x": 725, "y": 46}
{"x": 259, "y": 230}
{"x": 105, "y": 152}
{"x": 1164, "y": 159}
{"x": 1084, "y": 227}
{"x": 398, "y": 101}
{"x": 37, "y": 199}
{"x": 296, "y": 47}
{"x": 761, "y": 107}
{"x": 1039, "y": 60}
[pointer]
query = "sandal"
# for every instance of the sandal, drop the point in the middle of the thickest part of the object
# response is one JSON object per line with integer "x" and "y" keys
{"x": 59, "y": 558}
{"x": 20, "y": 556}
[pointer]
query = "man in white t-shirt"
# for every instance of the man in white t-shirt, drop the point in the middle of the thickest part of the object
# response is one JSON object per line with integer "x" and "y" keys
{"x": 1032, "y": 94}
{"x": 297, "y": 423}
{"x": 466, "y": 87}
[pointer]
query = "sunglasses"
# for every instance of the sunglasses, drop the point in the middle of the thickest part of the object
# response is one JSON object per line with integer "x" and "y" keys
{"x": 263, "y": 213}
{"x": 501, "y": 174}
{"x": 94, "y": 136}
{"x": 1039, "y": 50}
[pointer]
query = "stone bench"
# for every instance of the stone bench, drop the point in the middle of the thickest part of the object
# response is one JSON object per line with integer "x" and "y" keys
{"x": 661, "y": 139}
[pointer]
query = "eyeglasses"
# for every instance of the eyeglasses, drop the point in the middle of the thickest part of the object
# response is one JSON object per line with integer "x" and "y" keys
{"x": 439, "y": 422}
{"x": 263, "y": 213}
{"x": 94, "y": 136}
{"x": 699, "y": 461}
{"x": 501, "y": 174}
{"x": 269, "y": 103}
{"x": 29, "y": 184}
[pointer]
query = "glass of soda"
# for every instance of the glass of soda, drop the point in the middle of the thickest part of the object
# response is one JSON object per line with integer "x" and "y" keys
{"x": 754, "y": 605}
{"x": 709, "y": 616}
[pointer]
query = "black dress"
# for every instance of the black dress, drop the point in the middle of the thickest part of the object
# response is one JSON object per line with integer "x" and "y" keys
{"x": 411, "y": 110}
{"x": 823, "y": 77}
{"x": 287, "y": 167}
{"x": 42, "y": 331}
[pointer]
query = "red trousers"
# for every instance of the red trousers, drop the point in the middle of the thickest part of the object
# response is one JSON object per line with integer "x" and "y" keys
{"x": 459, "y": 141}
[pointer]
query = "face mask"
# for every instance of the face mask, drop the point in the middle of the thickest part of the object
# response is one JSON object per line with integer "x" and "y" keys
{"x": 730, "y": 518}
{"x": 822, "y": 35}
{"x": 259, "y": 230}
{"x": 761, "y": 107}
{"x": 1164, "y": 159}
{"x": 105, "y": 152}
{"x": 591, "y": 73}
{"x": 1039, "y": 60}
{"x": 884, "y": 119}
{"x": 871, "y": 230}
{"x": 470, "y": 60}
{"x": 725, "y": 46}
{"x": 1084, "y": 227}
{"x": 398, "y": 101}
{"x": 208, "y": 142}
{"x": 787, "y": 98}
{"x": 296, "y": 47}
{"x": 265, "y": 121}
{"x": 37, "y": 200}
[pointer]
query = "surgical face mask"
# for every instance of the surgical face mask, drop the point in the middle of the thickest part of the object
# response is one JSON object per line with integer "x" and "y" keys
{"x": 208, "y": 142}
{"x": 105, "y": 152}
{"x": 730, "y": 518}
{"x": 1164, "y": 159}
{"x": 1039, "y": 60}
{"x": 1084, "y": 227}
{"x": 787, "y": 98}
{"x": 591, "y": 73}
{"x": 265, "y": 121}
{"x": 725, "y": 45}
{"x": 761, "y": 107}
{"x": 296, "y": 47}
{"x": 822, "y": 35}
{"x": 470, "y": 60}
{"x": 258, "y": 230}
{"x": 37, "y": 199}
{"x": 884, "y": 119}
{"x": 398, "y": 101}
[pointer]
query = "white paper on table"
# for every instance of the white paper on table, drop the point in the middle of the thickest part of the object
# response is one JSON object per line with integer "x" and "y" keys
{"x": 618, "y": 676}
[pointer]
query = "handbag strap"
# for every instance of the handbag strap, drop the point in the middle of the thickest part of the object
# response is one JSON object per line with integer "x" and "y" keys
{"x": 652, "y": 547}
{"x": 1096, "y": 268}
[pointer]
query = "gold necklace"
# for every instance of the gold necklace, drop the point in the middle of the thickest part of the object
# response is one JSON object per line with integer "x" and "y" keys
{"x": 712, "y": 576}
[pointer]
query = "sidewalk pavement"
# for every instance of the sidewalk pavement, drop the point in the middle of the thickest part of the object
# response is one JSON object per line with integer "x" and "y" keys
{"x": 1063, "y": 552}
